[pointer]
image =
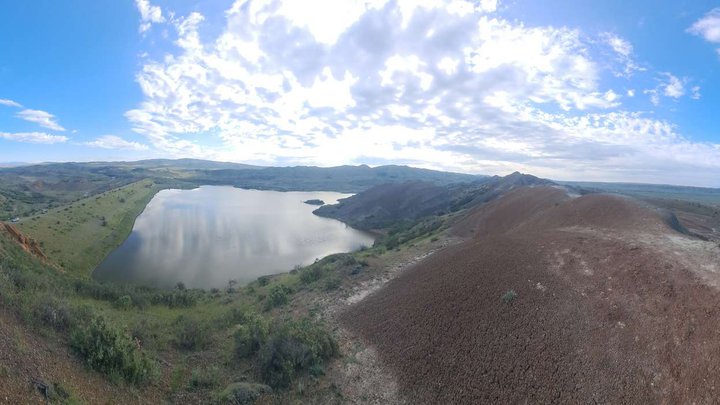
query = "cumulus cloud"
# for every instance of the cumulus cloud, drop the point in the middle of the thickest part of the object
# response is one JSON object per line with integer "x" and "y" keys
{"x": 149, "y": 15}
{"x": 33, "y": 137}
{"x": 115, "y": 142}
{"x": 42, "y": 118}
{"x": 446, "y": 85}
{"x": 708, "y": 26}
{"x": 10, "y": 103}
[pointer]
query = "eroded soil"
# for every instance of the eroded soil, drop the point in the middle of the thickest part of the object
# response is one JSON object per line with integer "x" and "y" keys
{"x": 612, "y": 305}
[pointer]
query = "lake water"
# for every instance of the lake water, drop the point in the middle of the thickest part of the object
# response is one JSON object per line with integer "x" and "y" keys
{"x": 210, "y": 235}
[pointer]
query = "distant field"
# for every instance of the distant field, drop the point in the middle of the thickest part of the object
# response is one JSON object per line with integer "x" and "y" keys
{"x": 78, "y": 236}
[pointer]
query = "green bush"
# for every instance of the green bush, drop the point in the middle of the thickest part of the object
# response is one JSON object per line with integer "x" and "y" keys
{"x": 124, "y": 302}
{"x": 110, "y": 351}
{"x": 332, "y": 283}
{"x": 53, "y": 313}
{"x": 204, "y": 379}
{"x": 242, "y": 393}
{"x": 190, "y": 334}
{"x": 292, "y": 348}
{"x": 263, "y": 280}
{"x": 392, "y": 242}
{"x": 250, "y": 336}
{"x": 277, "y": 296}
{"x": 140, "y": 296}
{"x": 311, "y": 274}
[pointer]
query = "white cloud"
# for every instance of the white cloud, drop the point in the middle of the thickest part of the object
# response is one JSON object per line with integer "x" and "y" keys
{"x": 695, "y": 93}
{"x": 708, "y": 26}
{"x": 42, "y": 118}
{"x": 427, "y": 83}
{"x": 10, "y": 103}
{"x": 115, "y": 142}
{"x": 33, "y": 137}
{"x": 619, "y": 45}
{"x": 623, "y": 51}
{"x": 149, "y": 15}
{"x": 673, "y": 87}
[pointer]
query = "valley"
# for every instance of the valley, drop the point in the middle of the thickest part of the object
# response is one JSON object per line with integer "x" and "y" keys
{"x": 526, "y": 289}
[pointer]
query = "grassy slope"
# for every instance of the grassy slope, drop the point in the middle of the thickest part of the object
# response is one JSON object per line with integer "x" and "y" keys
{"x": 74, "y": 236}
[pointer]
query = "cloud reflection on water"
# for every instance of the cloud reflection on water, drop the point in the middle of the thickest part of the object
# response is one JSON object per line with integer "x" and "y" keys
{"x": 207, "y": 236}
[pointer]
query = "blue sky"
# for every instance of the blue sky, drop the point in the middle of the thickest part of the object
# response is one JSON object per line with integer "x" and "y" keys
{"x": 571, "y": 90}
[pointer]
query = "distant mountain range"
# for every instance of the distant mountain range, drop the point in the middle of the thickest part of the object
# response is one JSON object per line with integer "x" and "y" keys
{"x": 25, "y": 189}
{"x": 13, "y": 164}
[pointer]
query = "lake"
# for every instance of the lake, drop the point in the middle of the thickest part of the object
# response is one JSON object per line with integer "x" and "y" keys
{"x": 210, "y": 235}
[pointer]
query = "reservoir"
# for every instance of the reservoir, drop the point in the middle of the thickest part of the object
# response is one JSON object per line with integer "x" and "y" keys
{"x": 213, "y": 234}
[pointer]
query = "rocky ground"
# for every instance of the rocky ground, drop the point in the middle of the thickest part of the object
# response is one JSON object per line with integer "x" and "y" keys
{"x": 608, "y": 304}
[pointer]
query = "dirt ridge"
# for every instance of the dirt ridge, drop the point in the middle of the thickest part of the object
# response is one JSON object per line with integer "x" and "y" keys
{"x": 608, "y": 307}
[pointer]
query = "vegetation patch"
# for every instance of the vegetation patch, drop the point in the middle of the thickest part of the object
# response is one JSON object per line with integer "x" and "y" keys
{"x": 243, "y": 393}
{"x": 293, "y": 348}
{"x": 509, "y": 296}
{"x": 79, "y": 236}
{"x": 108, "y": 350}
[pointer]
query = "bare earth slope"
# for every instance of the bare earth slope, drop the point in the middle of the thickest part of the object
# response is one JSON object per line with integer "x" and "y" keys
{"x": 612, "y": 305}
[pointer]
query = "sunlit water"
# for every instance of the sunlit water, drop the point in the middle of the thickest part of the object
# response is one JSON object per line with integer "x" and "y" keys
{"x": 208, "y": 236}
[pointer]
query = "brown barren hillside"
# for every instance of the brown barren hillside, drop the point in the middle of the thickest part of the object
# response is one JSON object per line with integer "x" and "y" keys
{"x": 612, "y": 305}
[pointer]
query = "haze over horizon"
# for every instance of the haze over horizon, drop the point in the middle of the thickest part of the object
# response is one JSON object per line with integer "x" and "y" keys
{"x": 568, "y": 90}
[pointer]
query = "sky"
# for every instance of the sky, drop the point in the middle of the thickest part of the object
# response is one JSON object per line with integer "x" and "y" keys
{"x": 564, "y": 89}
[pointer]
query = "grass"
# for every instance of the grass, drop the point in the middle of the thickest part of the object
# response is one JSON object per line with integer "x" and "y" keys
{"x": 78, "y": 236}
{"x": 509, "y": 296}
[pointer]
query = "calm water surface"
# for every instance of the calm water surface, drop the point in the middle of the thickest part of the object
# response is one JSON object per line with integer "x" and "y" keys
{"x": 208, "y": 236}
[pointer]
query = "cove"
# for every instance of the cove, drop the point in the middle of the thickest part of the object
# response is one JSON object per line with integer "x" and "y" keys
{"x": 210, "y": 235}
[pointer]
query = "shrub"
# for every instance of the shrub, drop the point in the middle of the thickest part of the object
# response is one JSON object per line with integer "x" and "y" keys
{"x": 332, "y": 283}
{"x": 203, "y": 379}
{"x": 124, "y": 302}
{"x": 277, "y": 296}
{"x": 292, "y": 348}
{"x": 311, "y": 274}
{"x": 243, "y": 393}
{"x": 190, "y": 334}
{"x": 112, "y": 352}
{"x": 392, "y": 242}
{"x": 250, "y": 336}
{"x": 53, "y": 313}
{"x": 509, "y": 296}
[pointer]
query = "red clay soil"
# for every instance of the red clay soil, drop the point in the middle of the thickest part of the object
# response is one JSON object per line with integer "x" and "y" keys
{"x": 27, "y": 244}
{"x": 598, "y": 317}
